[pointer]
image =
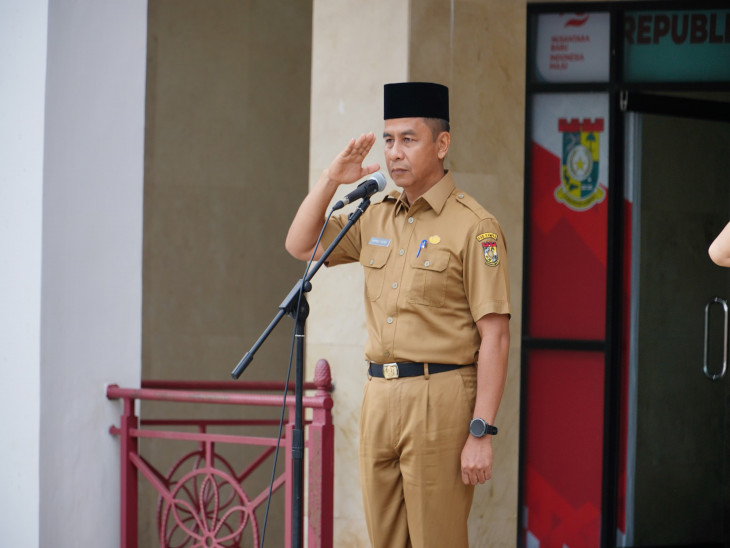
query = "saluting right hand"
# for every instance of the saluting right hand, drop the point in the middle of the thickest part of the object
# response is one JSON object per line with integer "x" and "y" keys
{"x": 347, "y": 166}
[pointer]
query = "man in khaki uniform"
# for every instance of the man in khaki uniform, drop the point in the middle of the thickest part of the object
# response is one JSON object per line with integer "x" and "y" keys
{"x": 437, "y": 305}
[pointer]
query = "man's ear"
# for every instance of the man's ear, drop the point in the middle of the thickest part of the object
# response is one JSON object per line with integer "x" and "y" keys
{"x": 443, "y": 141}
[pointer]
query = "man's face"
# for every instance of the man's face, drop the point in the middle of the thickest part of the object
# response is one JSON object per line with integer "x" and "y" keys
{"x": 413, "y": 157}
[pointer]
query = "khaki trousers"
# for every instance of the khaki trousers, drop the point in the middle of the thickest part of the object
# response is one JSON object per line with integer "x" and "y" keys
{"x": 412, "y": 432}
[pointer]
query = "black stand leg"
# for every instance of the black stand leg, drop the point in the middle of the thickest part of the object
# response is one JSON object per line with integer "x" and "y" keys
{"x": 297, "y": 448}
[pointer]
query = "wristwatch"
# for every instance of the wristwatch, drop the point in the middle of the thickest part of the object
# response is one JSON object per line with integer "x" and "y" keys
{"x": 479, "y": 428}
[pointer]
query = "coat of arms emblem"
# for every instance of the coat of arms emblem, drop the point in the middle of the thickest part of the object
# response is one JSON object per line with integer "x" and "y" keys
{"x": 579, "y": 188}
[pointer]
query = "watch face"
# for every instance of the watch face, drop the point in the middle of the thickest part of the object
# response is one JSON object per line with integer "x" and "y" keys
{"x": 478, "y": 428}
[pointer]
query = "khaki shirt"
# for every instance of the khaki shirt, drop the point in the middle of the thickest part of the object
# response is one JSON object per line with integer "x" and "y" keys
{"x": 431, "y": 270}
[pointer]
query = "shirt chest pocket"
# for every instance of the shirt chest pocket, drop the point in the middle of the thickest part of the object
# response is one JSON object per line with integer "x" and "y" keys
{"x": 373, "y": 260}
{"x": 428, "y": 278}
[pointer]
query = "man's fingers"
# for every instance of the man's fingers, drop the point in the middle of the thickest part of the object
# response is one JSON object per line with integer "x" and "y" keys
{"x": 466, "y": 479}
{"x": 473, "y": 477}
{"x": 372, "y": 168}
{"x": 363, "y": 144}
{"x": 347, "y": 166}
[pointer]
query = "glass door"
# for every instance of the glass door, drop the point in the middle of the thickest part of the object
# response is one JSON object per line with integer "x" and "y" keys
{"x": 678, "y": 440}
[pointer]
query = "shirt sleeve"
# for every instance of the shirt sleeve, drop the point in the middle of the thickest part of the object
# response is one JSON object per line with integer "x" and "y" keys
{"x": 348, "y": 249}
{"x": 486, "y": 277}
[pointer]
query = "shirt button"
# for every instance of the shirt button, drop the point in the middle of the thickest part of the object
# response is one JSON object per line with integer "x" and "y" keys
{"x": 387, "y": 354}
{"x": 402, "y": 252}
{"x": 372, "y": 261}
{"x": 390, "y": 320}
{"x": 427, "y": 263}
{"x": 410, "y": 220}
{"x": 461, "y": 195}
{"x": 395, "y": 285}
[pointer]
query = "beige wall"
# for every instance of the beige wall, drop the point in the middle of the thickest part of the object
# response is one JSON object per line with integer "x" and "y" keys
{"x": 226, "y": 156}
{"x": 228, "y": 89}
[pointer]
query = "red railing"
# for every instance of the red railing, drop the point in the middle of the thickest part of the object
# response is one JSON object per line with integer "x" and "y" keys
{"x": 201, "y": 499}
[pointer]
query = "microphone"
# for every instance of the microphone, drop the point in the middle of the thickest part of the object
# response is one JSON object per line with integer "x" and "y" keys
{"x": 367, "y": 188}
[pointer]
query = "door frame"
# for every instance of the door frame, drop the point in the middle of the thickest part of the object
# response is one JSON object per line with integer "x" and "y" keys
{"x": 682, "y": 107}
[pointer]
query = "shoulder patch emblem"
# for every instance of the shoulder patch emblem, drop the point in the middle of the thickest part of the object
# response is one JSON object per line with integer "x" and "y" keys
{"x": 488, "y": 240}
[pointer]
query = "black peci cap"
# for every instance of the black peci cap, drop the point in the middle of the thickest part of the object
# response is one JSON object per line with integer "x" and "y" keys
{"x": 416, "y": 100}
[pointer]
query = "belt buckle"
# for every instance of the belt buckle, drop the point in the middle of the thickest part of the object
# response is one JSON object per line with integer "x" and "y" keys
{"x": 390, "y": 370}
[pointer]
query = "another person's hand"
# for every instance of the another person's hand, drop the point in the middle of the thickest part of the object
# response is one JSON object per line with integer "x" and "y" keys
{"x": 720, "y": 248}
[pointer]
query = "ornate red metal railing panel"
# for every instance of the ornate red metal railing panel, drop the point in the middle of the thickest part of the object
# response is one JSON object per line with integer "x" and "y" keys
{"x": 201, "y": 498}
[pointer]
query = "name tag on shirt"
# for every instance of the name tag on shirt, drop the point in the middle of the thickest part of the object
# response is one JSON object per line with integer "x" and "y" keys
{"x": 381, "y": 242}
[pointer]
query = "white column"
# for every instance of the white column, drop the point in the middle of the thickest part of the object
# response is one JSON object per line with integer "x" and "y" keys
{"x": 23, "y": 27}
{"x": 91, "y": 260}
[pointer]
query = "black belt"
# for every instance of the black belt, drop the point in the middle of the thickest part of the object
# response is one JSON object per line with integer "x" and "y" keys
{"x": 407, "y": 369}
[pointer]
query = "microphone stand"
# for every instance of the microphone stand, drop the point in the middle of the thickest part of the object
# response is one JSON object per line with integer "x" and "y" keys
{"x": 295, "y": 305}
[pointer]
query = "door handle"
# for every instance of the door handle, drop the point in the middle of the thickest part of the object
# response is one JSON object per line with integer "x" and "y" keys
{"x": 706, "y": 368}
